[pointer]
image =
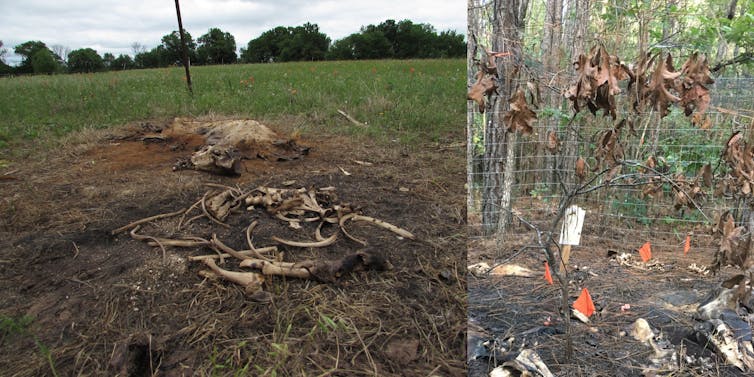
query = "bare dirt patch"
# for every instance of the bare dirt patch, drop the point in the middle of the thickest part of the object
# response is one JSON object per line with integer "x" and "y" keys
{"x": 100, "y": 304}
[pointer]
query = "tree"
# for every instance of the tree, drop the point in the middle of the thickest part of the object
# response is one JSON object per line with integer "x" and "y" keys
{"x": 403, "y": 40}
{"x": 122, "y": 62}
{"x": 306, "y": 42}
{"x": 85, "y": 60}
{"x": 138, "y": 48}
{"x": 173, "y": 50}
{"x": 216, "y": 47}
{"x": 551, "y": 56}
{"x": 154, "y": 58}
{"x": 413, "y": 40}
{"x": 342, "y": 49}
{"x": 28, "y": 50}
{"x": 43, "y": 61}
{"x": 266, "y": 48}
{"x": 449, "y": 44}
{"x": 108, "y": 58}
{"x": 61, "y": 52}
{"x": 369, "y": 44}
{"x": 389, "y": 29}
{"x": 499, "y": 155}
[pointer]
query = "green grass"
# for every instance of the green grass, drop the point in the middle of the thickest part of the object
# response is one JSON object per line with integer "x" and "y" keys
{"x": 11, "y": 327}
{"x": 407, "y": 99}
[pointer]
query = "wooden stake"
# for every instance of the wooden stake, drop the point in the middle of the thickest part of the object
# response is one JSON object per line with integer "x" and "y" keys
{"x": 565, "y": 254}
{"x": 184, "y": 49}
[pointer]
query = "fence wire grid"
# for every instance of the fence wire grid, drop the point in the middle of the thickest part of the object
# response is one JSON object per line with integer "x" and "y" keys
{"x": 624, "y": 214}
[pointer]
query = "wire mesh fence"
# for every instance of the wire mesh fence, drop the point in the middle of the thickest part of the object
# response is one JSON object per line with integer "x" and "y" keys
{"x": 629, "y": 207}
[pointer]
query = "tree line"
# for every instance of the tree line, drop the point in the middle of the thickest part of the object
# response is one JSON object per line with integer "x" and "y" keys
{"x": 387, "y": 40}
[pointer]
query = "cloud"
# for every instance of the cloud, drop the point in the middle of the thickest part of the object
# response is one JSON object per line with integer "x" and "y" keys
{"x": 113, "y": 26}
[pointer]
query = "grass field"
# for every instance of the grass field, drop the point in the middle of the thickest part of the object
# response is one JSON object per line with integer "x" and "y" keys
{"x": 402, "y": 99}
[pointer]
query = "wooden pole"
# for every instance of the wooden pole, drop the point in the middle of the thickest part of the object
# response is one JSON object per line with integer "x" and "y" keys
{"x": 565, "y": 255}
{"x": 184, "y": 48}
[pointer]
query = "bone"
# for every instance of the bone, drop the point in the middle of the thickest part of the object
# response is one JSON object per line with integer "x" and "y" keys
{"x": 385, "y": 225}
{"x": 324, "y": 242}
{"x": 251, "y": 281}
{"x": 271, "y": 249}
{"x": 146, "y": 220}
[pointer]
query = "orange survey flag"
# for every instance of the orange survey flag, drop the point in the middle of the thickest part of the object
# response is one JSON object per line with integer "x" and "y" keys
{"x": 584, "y": 303}
{"x": 687, "y": 244}
{"x": 548, "y": 277}
{"x": 646, "y": 252}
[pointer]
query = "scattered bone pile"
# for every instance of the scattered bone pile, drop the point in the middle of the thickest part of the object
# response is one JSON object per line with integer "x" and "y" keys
{"x": 289, "y": 205}
{"x": 724, "y": 322}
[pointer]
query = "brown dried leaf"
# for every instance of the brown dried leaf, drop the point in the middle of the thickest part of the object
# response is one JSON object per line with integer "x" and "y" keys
{"x": 552, "y": 142}
{"x": 696, "y": 70}
{"x": 696, "y": 98}
{"x": 614, "y": 171}
{"x": 519, "y": 117}
{"x": 601, "y": 62}
{"x": 484, "y": 85}
{"x": 596, "y": 85}
{"x": 619, "y": 70}
{"x": 657, "y": 89}
{"x": 734, "y": 245}
{"x": 653, "y": 190}
{"x": 581, "y": 90}
{"x": 728, "y": 224}
{"x": 490, "y": 66}
{"x": 581, "y": 169}
{"x": 651, "y": 162}
{"x": 681, "y": 200}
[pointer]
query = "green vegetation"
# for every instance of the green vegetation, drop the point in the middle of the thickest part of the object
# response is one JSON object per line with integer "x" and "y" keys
{"x": 388, "y": 40}
{"x": 398, "y": 99}
{"x": 15, "y": 327}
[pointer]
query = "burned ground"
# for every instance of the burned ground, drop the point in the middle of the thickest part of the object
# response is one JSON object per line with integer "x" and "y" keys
{"x": 524, "y": 313}
{"x": 80, "y": 301}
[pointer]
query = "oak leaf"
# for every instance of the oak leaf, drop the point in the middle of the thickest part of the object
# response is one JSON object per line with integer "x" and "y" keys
{"x": 484, "y": 86}
{"x": 658, "y": 88}
{"x": 519, "y": 118}
{"x": 581, "y": 168}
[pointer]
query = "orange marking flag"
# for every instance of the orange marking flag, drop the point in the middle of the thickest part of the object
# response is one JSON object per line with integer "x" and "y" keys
{"x": 687, "y": 244}
{"x": 548, "y": 277}
{"x": 646, "y": 252}
{"x": 584, "y": 303}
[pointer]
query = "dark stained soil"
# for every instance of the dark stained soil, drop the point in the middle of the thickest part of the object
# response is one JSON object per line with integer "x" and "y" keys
{"x": 77, "y": 300}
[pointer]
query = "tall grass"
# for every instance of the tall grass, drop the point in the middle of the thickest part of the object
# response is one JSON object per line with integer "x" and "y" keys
{"x": 398, "y": 99}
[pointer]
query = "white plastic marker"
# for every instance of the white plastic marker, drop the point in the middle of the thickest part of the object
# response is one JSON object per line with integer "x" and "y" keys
{"x": 570, "y": 233}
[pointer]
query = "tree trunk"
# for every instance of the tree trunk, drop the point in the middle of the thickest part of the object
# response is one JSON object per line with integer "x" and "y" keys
{"x": 551, "y": 57}
{"x": 471, "y": 51}
{"x": 575, "y": 43}
{"x": 508, "y": 25}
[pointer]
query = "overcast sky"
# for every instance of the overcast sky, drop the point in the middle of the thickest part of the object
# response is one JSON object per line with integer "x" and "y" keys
{"x": 113, "y": 26}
